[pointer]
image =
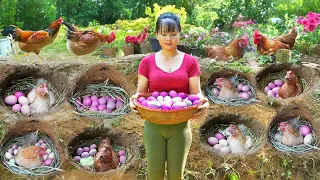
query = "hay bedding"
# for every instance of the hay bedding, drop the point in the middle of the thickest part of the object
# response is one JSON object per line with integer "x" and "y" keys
{"x": 87, "y": 143}
{"x": 298, "y": 149}
{"x": 103, "y": 89}
{"x": 39, "y": 171}
{"x": 27, "y": 84}
{"x": 236, "y": 79}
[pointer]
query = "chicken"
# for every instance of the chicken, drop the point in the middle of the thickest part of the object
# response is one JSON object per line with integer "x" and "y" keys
{"x": 289, "y": 38}
{"x": 291, "y": 87}
{"x": 40, "y": 98}
{"x": 289, "y": 133}
{"x": 268, "y": 46}
{"x": 30, "y": 156}
{"x": 237, "y": 141}
{"x": 234, "y": 49}
{"x": 34, "y": 41}
{"x": 106, "y": 158}
{"x": 227, "y": 90}
{"x": 85, "y": 42}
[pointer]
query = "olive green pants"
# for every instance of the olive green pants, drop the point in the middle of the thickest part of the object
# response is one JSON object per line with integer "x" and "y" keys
{"x": 167, "y": 142}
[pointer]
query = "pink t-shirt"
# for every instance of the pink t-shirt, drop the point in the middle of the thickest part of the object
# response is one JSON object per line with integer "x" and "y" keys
{"x": 177, "y": 80}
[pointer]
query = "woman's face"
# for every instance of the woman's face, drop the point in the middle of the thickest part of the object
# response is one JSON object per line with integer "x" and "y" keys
{"x": 168, "y": 40}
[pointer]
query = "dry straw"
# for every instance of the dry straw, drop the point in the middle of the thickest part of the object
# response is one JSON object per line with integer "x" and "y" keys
{"x": 298, "y": 149}
{"x": 27, "y": 84}
{"x": 39, "y": 171}
{"x": 237, "y": 79}
{"x": 97, "y": 140}
{"x": 103, "y": 89}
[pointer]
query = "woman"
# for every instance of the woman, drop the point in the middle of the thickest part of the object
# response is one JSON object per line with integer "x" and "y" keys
{"x": 168, "y": 69}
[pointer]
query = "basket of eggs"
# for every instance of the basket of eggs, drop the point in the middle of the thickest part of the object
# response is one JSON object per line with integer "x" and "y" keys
{"x": 167, "y": 107}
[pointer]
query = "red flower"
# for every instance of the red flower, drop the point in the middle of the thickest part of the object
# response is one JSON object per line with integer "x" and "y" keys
{"x": 311, "y": 27}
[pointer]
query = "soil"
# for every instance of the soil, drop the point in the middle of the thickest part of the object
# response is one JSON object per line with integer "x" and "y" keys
{"x": 62, "y": 124}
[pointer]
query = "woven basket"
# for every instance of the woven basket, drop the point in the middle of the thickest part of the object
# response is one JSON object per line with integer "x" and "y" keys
{"x": 159, "y": 116}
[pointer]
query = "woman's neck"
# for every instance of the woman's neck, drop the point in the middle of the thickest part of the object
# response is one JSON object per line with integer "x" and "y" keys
{"x": 169, "y": 54}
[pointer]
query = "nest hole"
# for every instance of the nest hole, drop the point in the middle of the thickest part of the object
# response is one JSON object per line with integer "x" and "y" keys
{"x": 15, "y": 139}
{"x": 103, "y": 81}
{"x": 119, "y": 142}
{"x": 244, "y": 97}
{"x": 220, "y": 123}
{"x": 301, "y": 117}
{"x": 268, "y": 75}
{"x": 24, "y": 79}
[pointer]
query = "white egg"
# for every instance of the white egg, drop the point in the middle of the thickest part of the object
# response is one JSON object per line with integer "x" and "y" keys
{"x": 48, "y": 151}
{"x": 223, "y": 142}
{"x": 307, "y": 139}
{"x": 225, "y": 150}
{"x": 25, "y": 110}
{"x": 12, "y": 161}
{"x": 217, "y": 147}
{"x": 8, "y": 155}
{"x": 45, "y": 157}
{"x": 23, "y": 100}
{"x": 15, "y": 151}
{"x": 51, "y": 155}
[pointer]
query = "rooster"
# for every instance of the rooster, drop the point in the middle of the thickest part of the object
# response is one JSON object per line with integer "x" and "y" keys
{"x": 289, "y": 38}
{"x": 85, "y": 42}
{"x": 237, "y": 141}
{"x": 40, "y": 98}
{"x": 291, "y": 87}
{"x": 234, "y": 49}
{"x": 30, "y": 156}
{"x": 106, "y": 158}
{"x": 268, "y": 46}
{"x": 33, "y": 41}
{"x": 227, "y": 90}
{"x": 289, "y": 134}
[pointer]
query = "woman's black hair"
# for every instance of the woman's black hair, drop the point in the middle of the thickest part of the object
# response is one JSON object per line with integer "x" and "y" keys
{"x": 169, "y": 21}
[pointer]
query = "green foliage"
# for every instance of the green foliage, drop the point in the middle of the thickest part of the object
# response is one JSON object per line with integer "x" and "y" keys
{"x": 296, "y": 7}
{"x": 233, "y": 176}
{"x": 264, "y": 59}
{"x": 7, "y": 12}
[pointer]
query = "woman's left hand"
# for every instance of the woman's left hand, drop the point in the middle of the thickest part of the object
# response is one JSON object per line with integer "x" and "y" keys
{"x": 202, "y": 108}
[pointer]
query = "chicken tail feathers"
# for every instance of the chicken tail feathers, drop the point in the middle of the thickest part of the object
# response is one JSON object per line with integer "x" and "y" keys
{"x": 71, "y": 31}
{"x": 11, "y": 30}
{"x": 31, "y": 139}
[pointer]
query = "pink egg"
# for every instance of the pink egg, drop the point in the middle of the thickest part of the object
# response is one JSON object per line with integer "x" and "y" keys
{"x": 140, "y": 99}
{"x": 276, "y": 90}
{"x": 271, "y": 85}
{"x": 14, "y": 146}
{"x": 119, "y": 104}
{"x": 225, "y": 150}
{"x": 86, "y": 149}
{"x": 266, "y": 89}
{"x": 176, "y": 105}
{"x": 122, "y": 153}
{"x": 217, "y": 147}
{"x": 245, "y": 95}
{"x": 196, "y": 102}
{"x": 102, "y": 107}
{"x": 111, "y": 105}
{"x": 86, "y": 96}
{"x": 16, "y": 108}
{"x": 304, "y": 130}
{"x": 48, "y": 162}
{"x": 271, "y": 93}
{"x": 278, "y": 82}
{"x": 77, "y": 158}
{"x": 173, "y": 93}
{"x": 87, "y": 102}
{"x": 111, "y": 100}
{"x": 40, "y": 141}
{"x": 165, "y": 105}
{"x": 109, "y": 110}
{"x": 95, "y": 103}
{"x": 93, "y": 109}
{"x": 215, "y": 91}
{"x": 219, "y": 136}
{"x": 85, "y": 154}
{"x": 212, "y": 141}
{"x": 239, "y": 87}
{"x": 17, "y": 94}
{"x": 10, "y": 151}
{"x": 94, "y": 98}
{"x": 155, "y": 94}
{"x": 93, "y": 146}
{"x": 122, "y": 159}
{"x": 11, "y": 100}
{"x": 245, "y": 88}
{"x": 107, "y": 97}
{"x": 102, "y": 100}
{"x": 164, "y": 93}
{"x": 182, "y": 95}
{"x": 145, "y": 103}
{"x": 151, "y": 98}
{"x": 193, "y": 97}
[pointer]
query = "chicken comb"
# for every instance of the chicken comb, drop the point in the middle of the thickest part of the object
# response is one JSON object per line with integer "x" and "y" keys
{"x": 256, "y": 33}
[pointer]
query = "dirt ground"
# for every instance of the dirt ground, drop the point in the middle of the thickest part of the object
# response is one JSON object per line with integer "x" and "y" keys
{"x": 63, "y": 124}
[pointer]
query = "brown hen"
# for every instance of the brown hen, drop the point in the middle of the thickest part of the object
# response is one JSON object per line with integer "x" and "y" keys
{"x": 106, "y": 158}
{"x": 291, "y": 87}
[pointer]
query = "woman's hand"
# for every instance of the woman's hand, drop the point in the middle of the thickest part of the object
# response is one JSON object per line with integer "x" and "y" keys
{"x": 132, "y": 106}
{"x": 202, "y": 108}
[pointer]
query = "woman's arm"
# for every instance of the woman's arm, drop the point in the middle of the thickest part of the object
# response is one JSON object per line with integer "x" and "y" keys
{"x": 142, "y": 88}
{"x": 195, "y": 88}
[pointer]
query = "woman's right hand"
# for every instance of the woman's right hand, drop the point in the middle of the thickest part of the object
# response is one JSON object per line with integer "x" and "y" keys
{"x": 132, "y": 106}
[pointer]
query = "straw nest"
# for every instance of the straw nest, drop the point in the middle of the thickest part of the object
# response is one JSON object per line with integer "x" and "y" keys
{"x": 103, "y": 89}
{"x": 27, "y": 84}
{"x": 97, "y": 140}
{"x": 39, "y": 171}
{"x": 236, "y": 79}
{"x": 298, "y": 149}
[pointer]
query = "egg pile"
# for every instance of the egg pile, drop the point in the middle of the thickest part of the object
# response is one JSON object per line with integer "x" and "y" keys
{"x": 219, "y": 143}
{"x": 306, "y": 132}
{"x": 169, "y": 100}
{"x": 244, "y": 91}
{"x": 19, "y": 103}
{"x": 105, "y": 104}
{"x": 48, "y": 158}
{"x": 84, "y": 155}
{"x": 273, "y": 88}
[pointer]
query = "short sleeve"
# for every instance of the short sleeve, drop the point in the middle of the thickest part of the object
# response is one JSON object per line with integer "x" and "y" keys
{"x": 144, "y": 67}
{"x": 194, "y": 68}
